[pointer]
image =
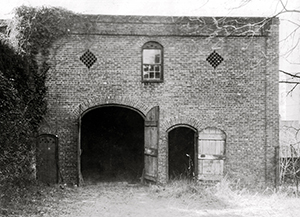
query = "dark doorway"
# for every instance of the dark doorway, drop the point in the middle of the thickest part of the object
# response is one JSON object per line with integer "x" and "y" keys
{"x": 112, "y": 143}
{"x": 182, "y": 142}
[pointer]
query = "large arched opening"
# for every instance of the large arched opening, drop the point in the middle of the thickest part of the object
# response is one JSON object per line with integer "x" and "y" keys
{"x": 112, "y": 144}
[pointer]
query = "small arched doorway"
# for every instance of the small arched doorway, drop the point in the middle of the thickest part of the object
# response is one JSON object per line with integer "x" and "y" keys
{"x": 182, "y": 151}
{"x": 112, "y": 144}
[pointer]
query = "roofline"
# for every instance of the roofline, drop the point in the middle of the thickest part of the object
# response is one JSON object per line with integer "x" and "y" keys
{"x": 166, "y": 19}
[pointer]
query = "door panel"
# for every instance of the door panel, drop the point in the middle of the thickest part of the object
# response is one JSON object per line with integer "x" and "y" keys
{"x": 210, "y": 169}
{"x": 47, "y": 167}
{"x": 151, "y": 144}
{"x": 211, "y": 154}
{"x": 196, "y": 166}
{"x": 79, "y": 152}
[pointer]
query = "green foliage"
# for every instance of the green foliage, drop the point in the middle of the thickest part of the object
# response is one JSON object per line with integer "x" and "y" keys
{"x": 23, "y": 67}
{"x": 22, "y": 106}
{"x": 34, "y": 30}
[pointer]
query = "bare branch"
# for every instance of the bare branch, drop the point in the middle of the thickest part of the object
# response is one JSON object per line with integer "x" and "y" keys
{"x": 296, "y": 83}
{"x": 290, "y": 91}
{"x": 289, "y": 82}
{"x": 283, "y": 5}
{"x": 290, "y": 74}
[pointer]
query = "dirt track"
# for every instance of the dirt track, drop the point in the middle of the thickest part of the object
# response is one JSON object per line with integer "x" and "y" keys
{"x": 126, "y": 200}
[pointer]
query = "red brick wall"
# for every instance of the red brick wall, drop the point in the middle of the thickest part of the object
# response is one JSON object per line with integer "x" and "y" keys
{"x": 239, "y": 97}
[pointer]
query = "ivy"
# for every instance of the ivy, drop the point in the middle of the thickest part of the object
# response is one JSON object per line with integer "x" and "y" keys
{"x": 19, "y": 116}
{"x": 22, "y": 83}
{"x": 23, "y": 70}
{"x": 34, "y": 30}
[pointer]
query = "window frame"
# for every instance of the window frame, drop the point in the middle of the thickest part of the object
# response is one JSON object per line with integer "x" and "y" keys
{"x": 152, "y": 45}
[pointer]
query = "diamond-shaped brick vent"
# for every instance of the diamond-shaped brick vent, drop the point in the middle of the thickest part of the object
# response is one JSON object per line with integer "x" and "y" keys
{"x": 88, "y": 59}
{"x": 214, "y": 59}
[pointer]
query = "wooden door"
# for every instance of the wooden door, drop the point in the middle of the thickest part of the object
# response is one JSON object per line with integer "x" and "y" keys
{"x": 79, "y": 152}
{"x": 195, "y": 158}
{"x": 151, "y": 144}
{"x": 46, "y": 158}
{"x": 211, "y": 154}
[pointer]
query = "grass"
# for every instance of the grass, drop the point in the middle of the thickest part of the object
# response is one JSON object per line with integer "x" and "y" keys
{"x": 184, "y": 188}
{"x": 264, "y": 202}
{"x": 227, "y": 197}
{"x": 184, "y": 196}
{"x": 30, "y": 198}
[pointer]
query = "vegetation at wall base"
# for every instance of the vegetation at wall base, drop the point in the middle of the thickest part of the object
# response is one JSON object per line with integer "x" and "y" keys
{"x": 22, "y": 106}
{"x": 180, "y": 197}
{"x": 23, "y": 66}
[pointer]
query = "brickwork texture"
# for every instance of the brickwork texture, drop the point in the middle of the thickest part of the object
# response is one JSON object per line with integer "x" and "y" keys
{"x": 239, "y": 97}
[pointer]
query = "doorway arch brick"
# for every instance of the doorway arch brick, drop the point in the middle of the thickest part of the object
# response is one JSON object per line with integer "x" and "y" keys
{"x": 107, "y": 100}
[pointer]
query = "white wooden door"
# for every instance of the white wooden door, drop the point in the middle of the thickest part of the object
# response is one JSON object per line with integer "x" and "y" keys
{"x": 211, "y": 154}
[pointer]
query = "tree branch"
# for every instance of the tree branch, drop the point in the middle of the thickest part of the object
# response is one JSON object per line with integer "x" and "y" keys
{"x": 289, "y": 82}
{"x": 290, "y": 74}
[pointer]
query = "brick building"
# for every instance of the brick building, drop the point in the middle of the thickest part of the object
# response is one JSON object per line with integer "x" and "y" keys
{"x": 201, "y": 86}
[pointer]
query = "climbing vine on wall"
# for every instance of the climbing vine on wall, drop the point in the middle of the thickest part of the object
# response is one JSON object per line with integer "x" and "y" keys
{"x": 23, "y": 67}
{"x": 33, "y": 30}
{"x": 22, "y": 106}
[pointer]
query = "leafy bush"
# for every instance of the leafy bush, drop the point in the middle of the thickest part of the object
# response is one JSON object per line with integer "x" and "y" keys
{"x": 23, "y": 66}
{"x": 22, "y": 106}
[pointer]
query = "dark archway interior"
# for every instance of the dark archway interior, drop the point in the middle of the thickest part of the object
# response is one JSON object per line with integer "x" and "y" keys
{"x": 112, "y": 143}
{"x": 181, "y": 142}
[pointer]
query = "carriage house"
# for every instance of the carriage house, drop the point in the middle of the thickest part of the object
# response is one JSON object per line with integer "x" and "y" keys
{"x": 158, "y": 98}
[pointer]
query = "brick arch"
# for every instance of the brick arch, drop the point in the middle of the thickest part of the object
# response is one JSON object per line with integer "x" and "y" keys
{"x": 94, "y": 102}
{"x": 213, "y": 128}
{"x": 182, "y": 125}
{"x": 146, "y": 40}
{"x": 177, "y": 121}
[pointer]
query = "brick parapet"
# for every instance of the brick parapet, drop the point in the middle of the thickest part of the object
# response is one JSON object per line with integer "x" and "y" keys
{"x": 170, "y": 26}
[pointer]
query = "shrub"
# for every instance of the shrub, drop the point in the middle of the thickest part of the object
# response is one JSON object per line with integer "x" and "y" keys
{"x": 22, "y": 106}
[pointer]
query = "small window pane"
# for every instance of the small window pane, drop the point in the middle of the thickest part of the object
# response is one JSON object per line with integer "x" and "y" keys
{"x": 157, "y": 58}
{"x": 151, "y": 74}
{"x": 151, "y": 56}
{"x": 151, "y": 69}
{"x": 146, "y": 75}
{"x": 157, "y": 68}
{"x": 157, "y": 75}
{"x": 146, "y": 68}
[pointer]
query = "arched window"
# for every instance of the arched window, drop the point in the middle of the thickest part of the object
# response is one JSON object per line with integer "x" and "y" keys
{"x": 152, "y": 62}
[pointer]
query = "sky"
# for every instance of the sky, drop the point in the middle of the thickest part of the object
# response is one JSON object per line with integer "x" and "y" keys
{"x": 180, "y": 8}
{"x": 289, "y": 61}
{"x": 153, "y": 7}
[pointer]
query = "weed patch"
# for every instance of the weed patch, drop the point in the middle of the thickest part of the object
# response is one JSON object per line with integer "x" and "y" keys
{"x": 178, "y": 198}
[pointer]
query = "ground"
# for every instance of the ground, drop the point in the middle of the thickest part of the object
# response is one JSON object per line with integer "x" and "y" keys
{"x": 176, "y": 199}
